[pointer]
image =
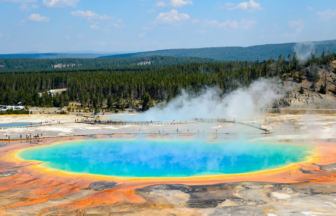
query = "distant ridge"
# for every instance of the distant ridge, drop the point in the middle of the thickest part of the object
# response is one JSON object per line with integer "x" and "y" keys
{"x": 252, "y": 53}
{"x": 51, "y": 55}
{"x": 24, "y": 64}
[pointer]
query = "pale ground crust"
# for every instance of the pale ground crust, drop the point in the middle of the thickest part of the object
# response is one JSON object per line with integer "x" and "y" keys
{"x": 303, "y": 189}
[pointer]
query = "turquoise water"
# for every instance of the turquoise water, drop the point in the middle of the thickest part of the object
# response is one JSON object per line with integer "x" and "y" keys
{"x": 169, "y": 158}
{"x": 16, "y": 124}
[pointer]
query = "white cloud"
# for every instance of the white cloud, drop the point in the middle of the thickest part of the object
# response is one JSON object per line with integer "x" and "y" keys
{"x": 60, "y": 3}
{"x": 81, "y": 35}
{"x": 151, "y": 11}
{"x": 38, "y": 18}
{"x": 298, "y": 24}
{"x": 68, "y": 37}
{"x": 94, "y": 27}
{"x": 91, "y": 15}
{"x": 172, "y": 16}
{"x": 174, "y": 3}
{"x": 233, "y": 24}
{"x": 84, "y": 13}
{"x": 18, "y": 1}
{"x": 310, "y": 8}
{"x": 98, "y": 21}
{"x": 146, "y": 28}
{"x": 28, "y": 7}
{"x": 195, "y": 21}
{"x": 142, "y": 35}
{"x": 1, "y": 35}
{"x": 161, "y": 4}
{"x": 327, "y": 15}
{"x": 248, "y": 6}
{"x": 246, "y": 24}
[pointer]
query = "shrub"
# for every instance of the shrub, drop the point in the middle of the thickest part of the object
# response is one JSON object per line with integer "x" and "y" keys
{"x": 15, "y": 112}
{"x": 313, "y": 86}
{"x": 300, "y": 79}
{"x": 323, "y": 89}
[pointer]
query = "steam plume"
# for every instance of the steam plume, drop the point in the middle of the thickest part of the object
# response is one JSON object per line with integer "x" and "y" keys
{"x": 241, "y": 103}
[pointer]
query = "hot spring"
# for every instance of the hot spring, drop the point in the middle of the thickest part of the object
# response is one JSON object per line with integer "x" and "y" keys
{"x": 165, "y": 158}
{"x": 16, "y": 124}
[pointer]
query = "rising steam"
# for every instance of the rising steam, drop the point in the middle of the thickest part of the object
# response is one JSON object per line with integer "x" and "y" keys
{"x": 304, "y": 50}
{"x": 239, "y": 104}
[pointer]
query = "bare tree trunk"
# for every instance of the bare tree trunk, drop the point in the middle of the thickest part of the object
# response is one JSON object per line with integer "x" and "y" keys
{"x": 325, "y": 80}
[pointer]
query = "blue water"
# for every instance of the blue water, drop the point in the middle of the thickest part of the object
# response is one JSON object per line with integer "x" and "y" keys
{"x": 172, "y": 158}
{"x": 16, "y": 124}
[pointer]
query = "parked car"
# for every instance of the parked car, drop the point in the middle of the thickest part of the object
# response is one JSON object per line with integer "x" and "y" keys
{"x": 21, "y": 108}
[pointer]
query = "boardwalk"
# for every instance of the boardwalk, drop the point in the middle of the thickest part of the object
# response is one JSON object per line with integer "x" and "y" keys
{"x": 180, "y": 122}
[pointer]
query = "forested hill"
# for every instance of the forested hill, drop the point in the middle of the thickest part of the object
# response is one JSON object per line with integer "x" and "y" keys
{"x": 253, "y": 53}
{"x": 118, "y": 89}
{"x": 23, "y": 64}
{"x": 52, "y": 55}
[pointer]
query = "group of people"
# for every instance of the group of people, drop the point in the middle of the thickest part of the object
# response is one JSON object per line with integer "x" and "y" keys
{"x": 29, "y": 136}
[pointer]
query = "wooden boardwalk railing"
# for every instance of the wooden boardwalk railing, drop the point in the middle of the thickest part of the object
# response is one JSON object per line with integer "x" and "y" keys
{"x": 179, "y": 122}
{"x": 120, "y": 122}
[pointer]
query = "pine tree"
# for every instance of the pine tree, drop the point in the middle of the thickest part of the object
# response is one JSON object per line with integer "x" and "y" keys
{"x": 323, "y": 90}
{"x": 301, "y": 90}
{"x": 110, "y": 102}
{"x": 147, "y": 102}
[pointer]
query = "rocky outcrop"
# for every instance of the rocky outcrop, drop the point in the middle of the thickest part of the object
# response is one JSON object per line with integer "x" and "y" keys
{"x": 312, "y": 100}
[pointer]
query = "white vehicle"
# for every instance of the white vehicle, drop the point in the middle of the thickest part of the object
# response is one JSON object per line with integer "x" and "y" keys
{"x": 10, "y": 107}
{"x": 5, "y": 108}
{"x": 19, "y": 108}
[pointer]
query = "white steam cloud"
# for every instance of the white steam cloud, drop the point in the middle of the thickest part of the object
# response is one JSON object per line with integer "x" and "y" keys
{"x": 239, "y": 104}
{"x": 304, "y": 50}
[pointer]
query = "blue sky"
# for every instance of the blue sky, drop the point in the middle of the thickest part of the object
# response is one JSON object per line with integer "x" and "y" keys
{"x": 143, "y": 25}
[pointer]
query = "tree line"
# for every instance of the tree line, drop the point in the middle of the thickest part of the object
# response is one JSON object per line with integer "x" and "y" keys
{"x": 24, "y": 64}
{"x": 125, "y": 86}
